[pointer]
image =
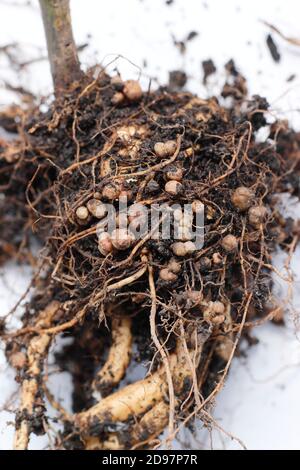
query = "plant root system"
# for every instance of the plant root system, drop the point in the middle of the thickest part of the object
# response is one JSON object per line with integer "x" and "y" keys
{"x": 179, "y": 307}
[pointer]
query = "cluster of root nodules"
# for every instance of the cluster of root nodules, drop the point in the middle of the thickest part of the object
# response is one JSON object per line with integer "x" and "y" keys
{"x": 182, "y": 309}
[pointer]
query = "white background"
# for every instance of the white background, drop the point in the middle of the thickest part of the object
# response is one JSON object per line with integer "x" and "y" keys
{"x": 260, "y": 402}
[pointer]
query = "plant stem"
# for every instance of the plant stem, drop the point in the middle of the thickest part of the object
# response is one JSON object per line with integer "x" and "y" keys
{"x": 62, "y": 53}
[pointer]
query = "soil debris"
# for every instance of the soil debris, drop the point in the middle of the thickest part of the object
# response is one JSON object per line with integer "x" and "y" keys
{"x": 291, "y": 78}
{"x": 236, "y": 84}
{"x": 273, "y": 48}
{"x": 177, "y": 79}
{"x": 209, "y": 68}
{"x": 182, "y": 44}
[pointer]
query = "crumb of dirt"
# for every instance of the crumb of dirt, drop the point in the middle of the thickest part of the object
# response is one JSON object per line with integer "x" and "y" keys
{"x": 209, "y": 68}
{"x": 192, "y": 35}
{"x": 236, "y": 85}
{"x": 230, "y": 67}
{"x": 177, "y": 79}
{"x": 273, "y": 48}
{"x": 291, "y": 77}
{"x": 182, "y": 44}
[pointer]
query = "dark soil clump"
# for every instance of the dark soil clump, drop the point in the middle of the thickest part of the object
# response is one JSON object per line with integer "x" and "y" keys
{"x": 273, "y": 48}
{"x": 209, "y": 68}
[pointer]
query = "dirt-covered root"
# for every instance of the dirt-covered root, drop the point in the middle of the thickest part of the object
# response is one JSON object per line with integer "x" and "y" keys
{"x": 31, "y": 404}
{"x": 146, "y": 402}
{"x": 31, "y": 409}
{"x": 112, "y": 443}
{"x": 119, "y": 356}
{"x": 147, "y": 398}
{"x": 150, "y": 426}
{"x": 134, "y": 399}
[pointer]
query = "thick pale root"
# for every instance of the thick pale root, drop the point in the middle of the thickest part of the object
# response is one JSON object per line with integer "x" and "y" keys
{"x": 145, "y": 397}
{"x": 147, "y": 401}
{"x": 31, "y": 403}
{"x": 112, "y": 443}
{"x": 118, "y": 358}
{"x": 149, "y": 427}
{"x": 132, "y": 400}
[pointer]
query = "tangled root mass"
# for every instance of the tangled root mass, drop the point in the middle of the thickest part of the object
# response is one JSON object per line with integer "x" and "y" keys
{"x": 184, "y": 308}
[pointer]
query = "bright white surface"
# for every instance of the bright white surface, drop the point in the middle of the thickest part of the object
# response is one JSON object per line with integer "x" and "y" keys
{"x": 260, "y": 402}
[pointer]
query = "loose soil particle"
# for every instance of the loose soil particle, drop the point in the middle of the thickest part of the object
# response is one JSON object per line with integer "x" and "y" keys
{"x": 209, "y": 68}
{"x": 177, "y": 79}
{"x": 273, "y": 48}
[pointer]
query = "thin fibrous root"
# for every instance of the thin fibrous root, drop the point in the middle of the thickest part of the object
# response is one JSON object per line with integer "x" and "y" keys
{"x": 31, "y": 403}
{"x": 138, "y": 398}
{"x": 118, "y": 358}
